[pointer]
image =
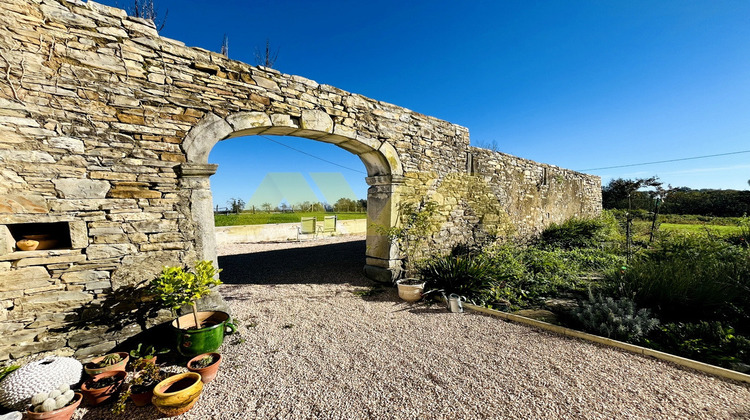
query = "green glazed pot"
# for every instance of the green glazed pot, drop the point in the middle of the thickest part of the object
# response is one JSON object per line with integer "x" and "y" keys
{"x": 192, "y": 342}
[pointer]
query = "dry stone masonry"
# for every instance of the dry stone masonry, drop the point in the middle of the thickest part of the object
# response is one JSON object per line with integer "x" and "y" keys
{"x": 105, "y": 132}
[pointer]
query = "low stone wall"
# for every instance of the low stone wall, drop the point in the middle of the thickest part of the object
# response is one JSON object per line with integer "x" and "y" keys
{"x": 281, "y": 232}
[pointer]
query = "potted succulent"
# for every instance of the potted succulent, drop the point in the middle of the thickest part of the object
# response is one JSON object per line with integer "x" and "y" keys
{"x": 198, "y": 332}
{"x": 177, "y": 394}
{"x": 103, "y": 386}
{"x": 140, "y": 386}
{"x": 145, "y": 353}
{"x": 111, "y": 361}
{"x": 206, "y": 364}
{"x": 58, "y": 404}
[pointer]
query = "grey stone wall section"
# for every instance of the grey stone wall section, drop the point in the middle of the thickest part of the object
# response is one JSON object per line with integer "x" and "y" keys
{"x": 105, "y": 128}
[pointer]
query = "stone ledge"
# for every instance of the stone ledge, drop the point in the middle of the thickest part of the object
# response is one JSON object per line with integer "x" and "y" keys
{"x": 20, "y": 255}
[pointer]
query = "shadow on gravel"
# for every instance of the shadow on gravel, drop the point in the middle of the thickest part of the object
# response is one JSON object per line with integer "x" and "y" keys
{"x": 326, "y": 264}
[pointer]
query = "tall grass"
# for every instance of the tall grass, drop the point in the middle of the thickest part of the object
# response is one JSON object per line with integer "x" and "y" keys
{"x": 690, "y": 277}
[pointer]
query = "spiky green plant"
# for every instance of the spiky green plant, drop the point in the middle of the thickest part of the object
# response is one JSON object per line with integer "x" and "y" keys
{"x": 110, "y": 359}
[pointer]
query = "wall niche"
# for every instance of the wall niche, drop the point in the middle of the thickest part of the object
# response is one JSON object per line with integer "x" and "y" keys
{"x": 40, "y": 236}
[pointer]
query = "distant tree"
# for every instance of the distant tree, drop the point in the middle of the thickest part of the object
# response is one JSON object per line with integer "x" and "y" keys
{"x": 266, "y": 207}
{"x": 625, "y": 193}
{"x": 236, "y": 205}
{"x": 345, "y": 204}
{"x": 145, "y": 9}
{"x": 362, "y": 203}
{"x": 267, "y": 57}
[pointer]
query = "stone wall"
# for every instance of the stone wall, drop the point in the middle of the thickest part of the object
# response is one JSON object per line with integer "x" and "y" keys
{"x": 105, "y": 132}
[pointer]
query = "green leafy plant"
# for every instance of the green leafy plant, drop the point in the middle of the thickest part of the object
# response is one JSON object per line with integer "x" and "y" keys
{"x": 689, "y": 277}
{"x": 144, "y": 378}
{"x": 579, "y": 233}
{"x": 177, "y": 286}
{"x": 707, "y": 341}
{"x": 146, "y": 352}
{"x": 461, "y": 274}
{"x": 416, "y": 222}
{"x": 617, "y": 319}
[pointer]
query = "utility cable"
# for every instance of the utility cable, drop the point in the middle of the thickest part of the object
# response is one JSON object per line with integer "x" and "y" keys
{"x": 665, "y": 161}
{"x": 311, "y": 155}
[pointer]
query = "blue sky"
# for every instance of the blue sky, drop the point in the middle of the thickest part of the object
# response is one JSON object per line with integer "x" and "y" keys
{"x": 578, "y": 84}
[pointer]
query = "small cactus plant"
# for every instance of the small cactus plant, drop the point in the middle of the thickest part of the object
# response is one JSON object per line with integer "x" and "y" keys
{"x": 203, "y": 362}
{"x": 54, "y": 400}
{"x": 110, "y": 360}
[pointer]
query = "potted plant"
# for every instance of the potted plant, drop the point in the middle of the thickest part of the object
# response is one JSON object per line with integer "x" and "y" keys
{"x": 111, "y": 361}
{"x": 145, "y": 353}
{"x": 58, "y": 404}
{"x": 103, "y": 386}
{"x": 177, "y": 394}
{"x": 140, "y": 386}
{"x": 206, "y": 364}
{"x": 198, "y": 332}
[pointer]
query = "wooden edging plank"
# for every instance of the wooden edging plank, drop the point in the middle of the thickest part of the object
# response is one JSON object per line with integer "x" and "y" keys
{"x": 693, "y": 364}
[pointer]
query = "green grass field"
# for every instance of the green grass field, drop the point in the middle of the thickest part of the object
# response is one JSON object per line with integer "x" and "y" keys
{"x": 695, "y": 228}
{"x": 267, "y": 218}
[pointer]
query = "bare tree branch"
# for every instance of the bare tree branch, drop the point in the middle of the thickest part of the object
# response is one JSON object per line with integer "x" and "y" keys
{"x": 266, "y": 58}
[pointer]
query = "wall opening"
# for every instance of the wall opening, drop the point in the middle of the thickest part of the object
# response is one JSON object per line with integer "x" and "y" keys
{"x": 46, "y": 235}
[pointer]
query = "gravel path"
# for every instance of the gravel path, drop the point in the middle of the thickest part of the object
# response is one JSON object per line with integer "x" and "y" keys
{"x": 309, "y": 348}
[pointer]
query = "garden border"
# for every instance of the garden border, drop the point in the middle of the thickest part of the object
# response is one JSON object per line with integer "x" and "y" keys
{"x": 693, "y": 364}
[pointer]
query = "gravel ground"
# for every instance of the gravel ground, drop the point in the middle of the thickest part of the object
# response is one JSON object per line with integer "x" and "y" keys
{"x": 309, "y": 348}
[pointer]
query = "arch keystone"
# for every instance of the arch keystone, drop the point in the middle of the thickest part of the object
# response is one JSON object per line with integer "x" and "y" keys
{"x": 316, "y": 120}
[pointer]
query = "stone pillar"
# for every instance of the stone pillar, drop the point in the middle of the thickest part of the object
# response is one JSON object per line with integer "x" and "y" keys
{"x": 382, "y": 261}
{"x": 194, "y": 178}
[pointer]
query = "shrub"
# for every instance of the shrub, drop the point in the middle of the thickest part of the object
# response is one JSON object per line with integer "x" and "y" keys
{"x": 707, "y": 341}
{"x": 690, "y": 277}
{"x": 527, "y": 275}
{"x": 616, "y": 319}
{"x": 579, "y": 233}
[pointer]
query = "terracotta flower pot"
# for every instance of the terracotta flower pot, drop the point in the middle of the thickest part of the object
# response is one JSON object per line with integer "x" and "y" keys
{"x": 64, "y": 413}
{"x": 141, "y": 399}
{"x": 177, "y": 394}
{"x": 209, "y": 372}
{"x": 92, "y": 369}
{"x": 95, "y": 396}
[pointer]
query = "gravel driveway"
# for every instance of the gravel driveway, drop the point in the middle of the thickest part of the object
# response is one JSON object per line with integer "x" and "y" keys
{"x": 310, "y": 348}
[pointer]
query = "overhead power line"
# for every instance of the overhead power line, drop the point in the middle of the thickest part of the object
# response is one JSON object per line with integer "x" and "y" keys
{"x": 311, "y": 155}
{"x": 665, "y": 161}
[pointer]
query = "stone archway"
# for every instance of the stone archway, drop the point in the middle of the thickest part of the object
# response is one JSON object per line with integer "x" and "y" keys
{"x": 384, "y": 174}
